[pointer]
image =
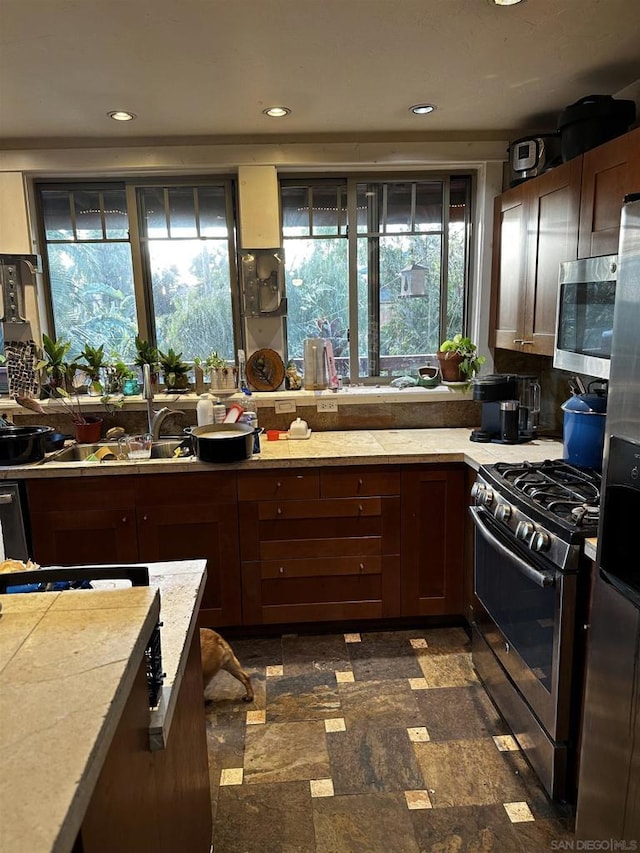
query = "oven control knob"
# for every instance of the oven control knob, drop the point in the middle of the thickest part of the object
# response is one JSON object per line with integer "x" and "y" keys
{"x": 540, "y": 541}
{"x": 476, "y": 491}
{"x": 486, "y": 497}
{"x": 503, "y": 512}
{"x": 524, "y": 530}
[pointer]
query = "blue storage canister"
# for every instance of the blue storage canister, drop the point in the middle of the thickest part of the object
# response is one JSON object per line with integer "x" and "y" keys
{"x": 583, "y": 430}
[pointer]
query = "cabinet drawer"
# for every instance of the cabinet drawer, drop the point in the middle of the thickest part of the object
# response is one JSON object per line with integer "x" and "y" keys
{"x": 331, "y": 547}
{"x": 82, "y": 493}
{"x": 314, "y": 567}
{"x": 359, "y": 481}
{"x": 280, "y": 486}
{"x": 338, "y": 508}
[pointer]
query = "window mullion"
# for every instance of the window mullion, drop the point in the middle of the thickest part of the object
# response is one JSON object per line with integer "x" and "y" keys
{"x": 352, "y": 255}
{"x": 444, "y": 260}
{"x": 140, "y": 263}
{"x": 72, "y": 213}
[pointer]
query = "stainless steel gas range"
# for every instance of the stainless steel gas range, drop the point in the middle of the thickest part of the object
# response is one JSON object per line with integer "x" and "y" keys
{"x": 531, "y": 592}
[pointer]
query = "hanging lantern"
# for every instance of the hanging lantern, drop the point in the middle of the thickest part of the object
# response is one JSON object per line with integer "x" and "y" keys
{"x": 412, "y": 280}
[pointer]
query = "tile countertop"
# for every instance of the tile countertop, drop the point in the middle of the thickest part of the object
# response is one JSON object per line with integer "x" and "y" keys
{"x": 357, "y": 447}
{"x": 67, "y": 664}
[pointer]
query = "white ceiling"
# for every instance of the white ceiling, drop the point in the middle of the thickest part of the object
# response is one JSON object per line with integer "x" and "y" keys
{"x": 207, "y": 68}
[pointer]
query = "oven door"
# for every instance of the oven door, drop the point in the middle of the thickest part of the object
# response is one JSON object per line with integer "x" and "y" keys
{"x": 528, "y": 620}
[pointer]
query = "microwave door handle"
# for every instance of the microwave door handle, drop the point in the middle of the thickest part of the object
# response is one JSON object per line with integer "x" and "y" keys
{"x": 542, "y": 579}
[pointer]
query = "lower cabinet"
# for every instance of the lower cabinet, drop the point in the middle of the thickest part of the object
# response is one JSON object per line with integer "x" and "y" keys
{"x": 320, "y": 545}
{"x": 303, "y": 545}
{"x": 434, "y": 501}
{"x": 159, "y": 800}
{"x": 115, "y": 519}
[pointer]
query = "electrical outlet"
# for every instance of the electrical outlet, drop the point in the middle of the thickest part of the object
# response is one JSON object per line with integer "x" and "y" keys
{"x": 327, "y": 406}
{"x": 283, "y": 406}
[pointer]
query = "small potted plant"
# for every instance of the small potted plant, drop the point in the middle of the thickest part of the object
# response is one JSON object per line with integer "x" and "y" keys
{"x": 124, "y": 379}
{"x": 175, "y": 370}
{"x": 146, "y": 353}
{"x": 459, "y": 359}
{"x": 223, "y": 376}
{"x": 94, "y": 359}
{"x": 54, "y": 365}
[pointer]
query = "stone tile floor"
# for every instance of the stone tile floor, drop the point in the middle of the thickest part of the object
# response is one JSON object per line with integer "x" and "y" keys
{"x": 378, "y": 742}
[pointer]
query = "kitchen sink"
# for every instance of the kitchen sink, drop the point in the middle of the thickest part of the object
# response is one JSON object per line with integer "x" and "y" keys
{"x": 162, "y": 449}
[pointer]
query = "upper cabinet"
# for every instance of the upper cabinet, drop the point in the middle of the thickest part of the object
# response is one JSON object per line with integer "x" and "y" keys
{"x": 609, "y": 172}
{"x": 572, "y": 211}
{"x": 535, "y": 229}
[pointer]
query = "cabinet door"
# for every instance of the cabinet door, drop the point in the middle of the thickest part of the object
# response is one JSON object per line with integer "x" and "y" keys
{"x": 88, "y": 520}
{"x": 535, "y": 229}
{"x": 553, "y": 206}
{"x": 433, "y": 509}
{"x": 509, "y": 269}
{"x": 195, "y": 516}
{"x": 610, "y": 172}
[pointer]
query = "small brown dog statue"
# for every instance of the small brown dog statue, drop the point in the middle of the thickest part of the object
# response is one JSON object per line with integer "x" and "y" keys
{"x": 217, "y": 654}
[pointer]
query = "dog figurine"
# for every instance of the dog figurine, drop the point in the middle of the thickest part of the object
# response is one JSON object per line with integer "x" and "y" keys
{"x": 217, "y": 654}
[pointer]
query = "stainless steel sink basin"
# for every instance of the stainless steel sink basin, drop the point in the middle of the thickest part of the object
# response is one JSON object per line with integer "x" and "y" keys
{"x": 162, "y": 449}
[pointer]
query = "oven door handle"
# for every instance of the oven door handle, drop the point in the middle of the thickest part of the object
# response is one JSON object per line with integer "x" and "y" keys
{"x": 540, "y": 578}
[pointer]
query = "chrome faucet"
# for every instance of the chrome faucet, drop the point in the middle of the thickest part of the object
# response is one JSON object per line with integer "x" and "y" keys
{"x": 155, "y": 419}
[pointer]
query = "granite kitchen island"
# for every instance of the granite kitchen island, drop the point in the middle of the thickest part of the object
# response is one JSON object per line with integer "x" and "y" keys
{"x": 85, "y": 761}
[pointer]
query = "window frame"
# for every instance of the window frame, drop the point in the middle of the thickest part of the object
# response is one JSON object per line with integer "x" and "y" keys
{"x": 142, "y": 282}
{"x": 351, "y": 181}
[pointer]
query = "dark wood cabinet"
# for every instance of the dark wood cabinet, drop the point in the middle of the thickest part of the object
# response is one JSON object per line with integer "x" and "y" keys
{"x": 535, "y": 229}
{"x": 161, "y": 800}
{"x": 609, "y": 172}
{"x": 195, "y": 516}
{"x": 326, "y": 548}
{"x": 83, "y": 520}
{"x": 114, "y": 519}
{"x": 301, "y": 545}
{"x": 434, "y": 501}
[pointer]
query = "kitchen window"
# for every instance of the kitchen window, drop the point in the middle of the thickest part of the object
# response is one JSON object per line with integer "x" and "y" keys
{"x": 388, "y": 290}
{"x": 150, "y": 259}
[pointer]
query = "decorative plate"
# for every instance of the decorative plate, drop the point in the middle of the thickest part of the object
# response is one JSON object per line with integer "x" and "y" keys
{"x": 265, "y": 370}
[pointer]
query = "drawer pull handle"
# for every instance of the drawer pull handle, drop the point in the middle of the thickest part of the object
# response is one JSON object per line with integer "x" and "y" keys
{"x": 124, "y": 519}
{"x": 360, "y": 483}
{"x": 362, "y": 567}
{"x": 145, "y": 517}
{"x": 360, "y": 508}
{"x": 279, "y": 510}
{"x": 518, "y": 341}
{"x": 528, "y": 343}
{"x": 281, "y": 570}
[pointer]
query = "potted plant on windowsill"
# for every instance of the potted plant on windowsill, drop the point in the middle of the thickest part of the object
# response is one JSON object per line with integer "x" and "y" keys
{"x": 54, "y": 365}
{"x": 175, "y": 370}
{"x": 223, "y": 377}
{"x": 459, "y": 359}
{"x": 95, "y": 361}
{"x": 146, "y": 353}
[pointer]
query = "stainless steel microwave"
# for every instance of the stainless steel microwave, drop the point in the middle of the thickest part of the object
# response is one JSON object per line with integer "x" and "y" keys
{"x": 584, "y": 319}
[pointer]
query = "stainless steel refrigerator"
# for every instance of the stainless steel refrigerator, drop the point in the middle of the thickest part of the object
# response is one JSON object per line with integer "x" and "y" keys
{"x": 609, "y": 779}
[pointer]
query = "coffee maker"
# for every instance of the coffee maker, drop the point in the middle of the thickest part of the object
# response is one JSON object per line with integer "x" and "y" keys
{"x": 510, "y": 407}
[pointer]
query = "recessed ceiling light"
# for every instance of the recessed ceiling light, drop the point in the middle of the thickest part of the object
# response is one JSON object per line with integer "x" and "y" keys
{"x": 505, "y": 2}
{"x": 121, "y": 115}
{"x": 422, "y": 109}
{"x": 277, "y": 112}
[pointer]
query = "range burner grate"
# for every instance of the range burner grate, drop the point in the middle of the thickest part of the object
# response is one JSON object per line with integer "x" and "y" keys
{"x": 563, "y": 491}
